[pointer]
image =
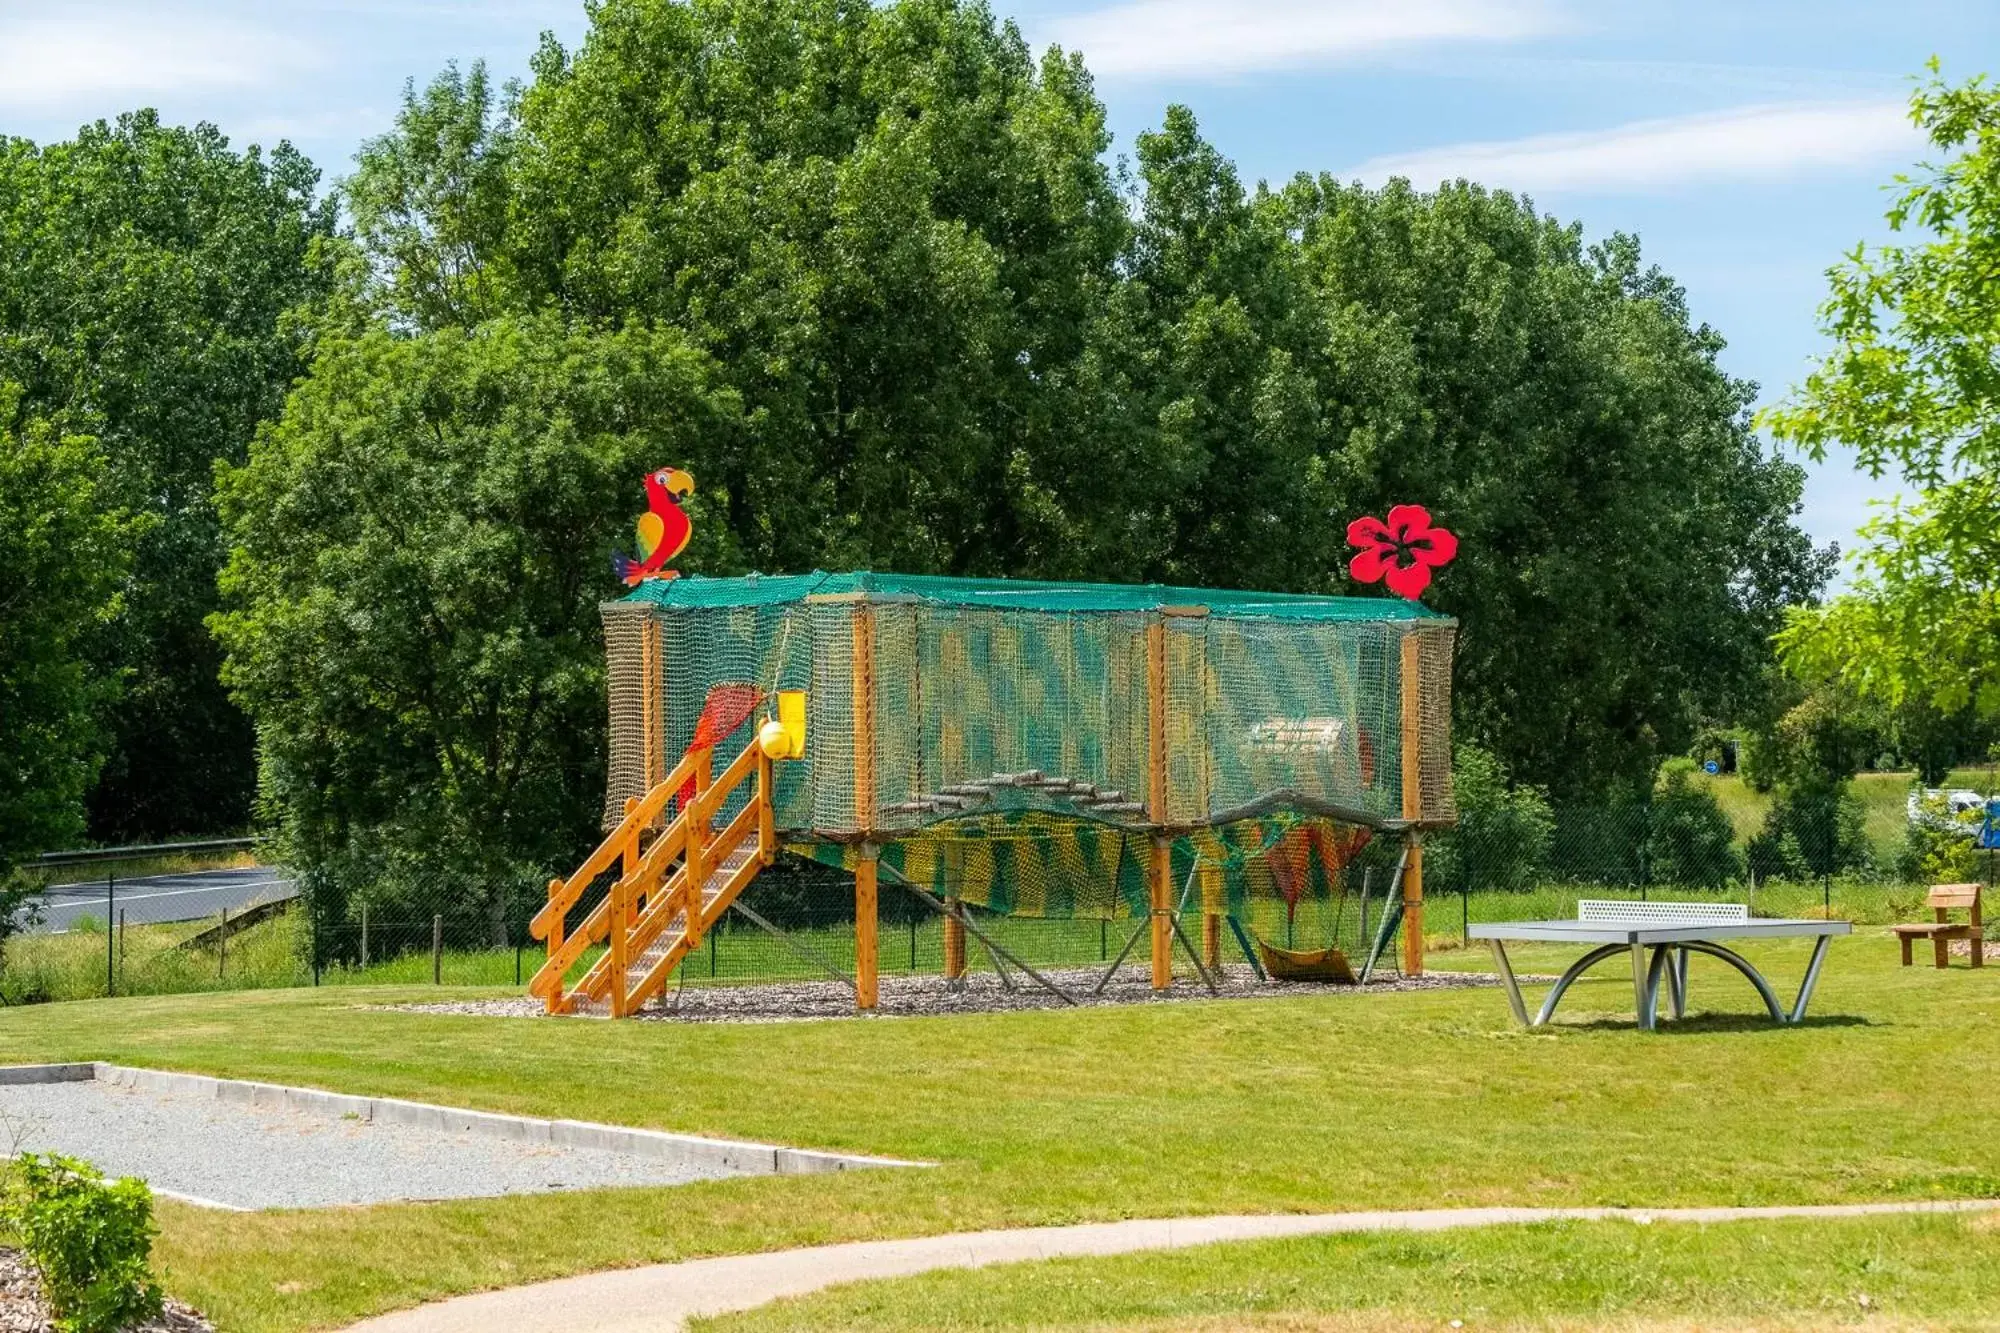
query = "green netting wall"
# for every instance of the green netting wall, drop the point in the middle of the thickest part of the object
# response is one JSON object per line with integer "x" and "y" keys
{"x": 1013, "y": 723}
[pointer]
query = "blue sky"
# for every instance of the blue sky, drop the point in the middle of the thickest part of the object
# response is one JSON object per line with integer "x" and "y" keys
{"x": 1746, "y": 143}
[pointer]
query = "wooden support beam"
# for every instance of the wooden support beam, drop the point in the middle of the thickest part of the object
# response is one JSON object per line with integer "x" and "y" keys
{"x": 621, "y": 917}
{"x": 653, "y": 704}
{"x": 954, "y": 941}
{"x": 767, "y": 799}
{"x": 866, "y": 928}
{"x": 1161, "y": 872}
{"x": 1413, "y": 804}
{"x": 864, "y": 719}
{"x": 699, "y": 835}
{"x": 553, "y": 1002}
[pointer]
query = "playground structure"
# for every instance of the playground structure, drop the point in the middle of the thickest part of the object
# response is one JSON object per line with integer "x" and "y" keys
{"x": 1037, "y": 749}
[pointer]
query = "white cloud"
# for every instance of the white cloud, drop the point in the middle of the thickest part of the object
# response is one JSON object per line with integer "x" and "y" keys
{"x": 1230, "y": 37}
{"x": 1772, "y": 141}
{"x": 54, "y": 62}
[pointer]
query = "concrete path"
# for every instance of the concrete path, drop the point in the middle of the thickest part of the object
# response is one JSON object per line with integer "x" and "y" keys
{"x": 660, "y": 1299}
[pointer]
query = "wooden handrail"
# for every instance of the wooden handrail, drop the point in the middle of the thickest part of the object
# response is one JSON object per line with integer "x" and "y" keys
{"x": 707, "y": 803}
{"x": 594, "y": 928}
{"x": 668, "y": 888}
{"x": 564, "y": 897}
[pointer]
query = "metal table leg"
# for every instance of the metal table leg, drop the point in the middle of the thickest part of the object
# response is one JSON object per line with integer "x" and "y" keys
{"x": 1812, "y": 977}
{"x": 1677, "y": 981}
{"x": 1506, "y": 971}
{"x": 1750, "y": 974}
{"x": 1576, "y": 969}
{"x": 1644, "y": 975}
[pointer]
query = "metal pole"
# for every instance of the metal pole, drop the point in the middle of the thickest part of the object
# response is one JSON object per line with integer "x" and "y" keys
{"x": 121, "y": 943}
{"x": 364, "y": 935}
{"x": 1367, "y": 883}
{"x": 222, "y": 946}
{"x": 110, "y": 961}
{"x": 437, "y": 950}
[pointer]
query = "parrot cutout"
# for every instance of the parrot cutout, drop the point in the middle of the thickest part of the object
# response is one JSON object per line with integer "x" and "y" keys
{"x": 663, "y": 529}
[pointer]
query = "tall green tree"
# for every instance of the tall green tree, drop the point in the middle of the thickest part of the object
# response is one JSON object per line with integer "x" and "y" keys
{"x": 420, "y": 545}
{"x": 1912, "y": 385}
{"x": 1627, "y": 545}
{"x": 967, "y": 345}
{"x": 146, "y": 298}
{"x": 64, "y": 550}
{"x": 889, "y": 225}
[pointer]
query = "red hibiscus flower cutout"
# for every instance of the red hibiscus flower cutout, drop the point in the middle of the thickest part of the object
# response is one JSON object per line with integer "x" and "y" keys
{"x": 1402, "y": 552}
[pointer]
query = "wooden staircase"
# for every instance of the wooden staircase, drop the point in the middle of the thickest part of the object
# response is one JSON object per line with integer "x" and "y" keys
{"x": 674, "y": 884}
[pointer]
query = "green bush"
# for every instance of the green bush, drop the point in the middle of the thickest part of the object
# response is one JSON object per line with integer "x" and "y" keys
{"x": 88, "y": 1238}
{"x": 1813, "y": 830}
{"x": 1689, "y": 840}
{"x": 1503, "y": 833}
{"x": 1943, "y": 848}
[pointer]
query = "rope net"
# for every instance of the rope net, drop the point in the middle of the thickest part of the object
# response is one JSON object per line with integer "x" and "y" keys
{"x": 996, "y": 738}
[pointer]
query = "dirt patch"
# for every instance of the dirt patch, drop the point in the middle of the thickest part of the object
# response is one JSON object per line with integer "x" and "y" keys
{"x": 982, "y": 992}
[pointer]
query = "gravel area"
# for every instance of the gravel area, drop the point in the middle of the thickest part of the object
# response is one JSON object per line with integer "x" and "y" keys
{"x": 22, "y": 1309}
{"x": 981, "y": 993}
{"x": 246, "y": 1156}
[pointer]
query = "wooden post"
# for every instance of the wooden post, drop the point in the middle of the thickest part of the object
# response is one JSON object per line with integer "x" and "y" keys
{"x": 866, "y": 925}
{"x": 954, "y": 940}
{"x": 437, "y": 950}
{"x": 1413, "y": 804}
{"x": 1212, "y": 909}
{"x": 652, "y": 705}
{"x": 621, "y": 917}
{"x": 866, "y": 940}
{"x": 864, "y": 719}
{"x": 555, "y": 997}
{"x": 767, "y": 806}
{"x": 1160, "y": 877}
{"x": 694, "y": 887}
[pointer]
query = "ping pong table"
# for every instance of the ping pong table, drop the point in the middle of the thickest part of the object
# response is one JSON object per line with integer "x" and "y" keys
{"x": 1659, "y": 937}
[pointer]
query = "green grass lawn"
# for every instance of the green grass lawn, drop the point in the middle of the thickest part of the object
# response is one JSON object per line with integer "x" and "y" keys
{"x": 1346, "y": 1101}
{"x": 1941, "y": 1272}
{"x": 1884, "y": 796}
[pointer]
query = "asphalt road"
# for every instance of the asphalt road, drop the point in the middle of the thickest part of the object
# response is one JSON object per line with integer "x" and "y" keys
{"x": 154, "y": 898}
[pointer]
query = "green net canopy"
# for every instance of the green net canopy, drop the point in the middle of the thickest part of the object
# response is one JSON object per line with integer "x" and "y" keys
{"x": 971, "y": 706}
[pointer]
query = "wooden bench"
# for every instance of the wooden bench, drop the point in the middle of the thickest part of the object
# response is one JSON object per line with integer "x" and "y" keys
{"x": 1943, "y": 900}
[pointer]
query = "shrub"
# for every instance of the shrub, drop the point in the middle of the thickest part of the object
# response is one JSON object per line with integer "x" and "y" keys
{"x": 1504, "y": 830}
{"x": 1813, "y": 829}
{"x": 1689, "y": 839}
{"x": 1941, "y": 847}
{"x": 88, "y": 1238}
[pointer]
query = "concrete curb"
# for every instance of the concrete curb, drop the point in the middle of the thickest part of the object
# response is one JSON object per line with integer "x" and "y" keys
{"x": 661, "y": 1298}
{"x": 726, "y": 1155}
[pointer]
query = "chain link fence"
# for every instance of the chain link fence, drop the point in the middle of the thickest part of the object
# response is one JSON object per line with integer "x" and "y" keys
{"x": 425, "y": 928}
